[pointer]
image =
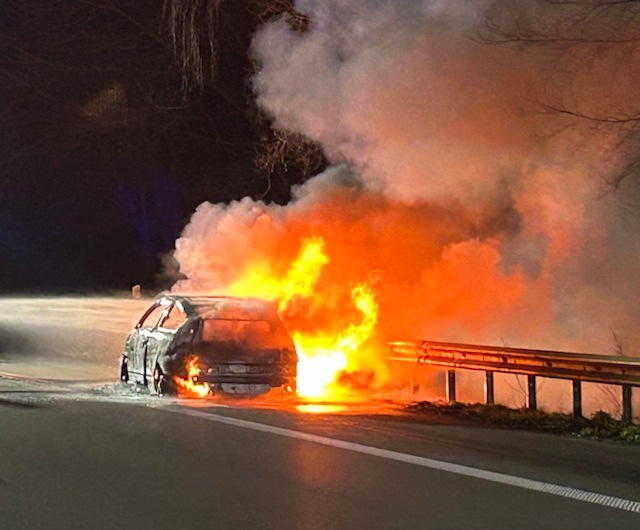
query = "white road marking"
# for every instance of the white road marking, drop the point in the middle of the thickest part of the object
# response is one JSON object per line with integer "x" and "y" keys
{"x": 501, "y": 478}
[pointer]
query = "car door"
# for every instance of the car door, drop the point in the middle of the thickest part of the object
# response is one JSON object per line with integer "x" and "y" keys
{"x": 167, "y": 337}
{"x": 140, "y": 338}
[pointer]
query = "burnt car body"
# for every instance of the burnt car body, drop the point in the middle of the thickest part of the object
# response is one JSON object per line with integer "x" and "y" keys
{"x": 240, "y": 343}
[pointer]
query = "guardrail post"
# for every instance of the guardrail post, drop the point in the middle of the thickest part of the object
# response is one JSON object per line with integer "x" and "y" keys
{"x": 577, "y": 398}
{"x": 533, "y": 402}
{"x": 626, "y": 405}
{"x": 451, "y": 385}
{"x": 488, "y": 387}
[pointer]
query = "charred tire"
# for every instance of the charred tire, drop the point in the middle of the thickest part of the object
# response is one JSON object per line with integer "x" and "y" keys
{"x": 124, "y": 370}
{"x": 162, "y": 383}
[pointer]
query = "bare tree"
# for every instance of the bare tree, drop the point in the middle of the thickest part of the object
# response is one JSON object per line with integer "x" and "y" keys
{"x": 192, "y": 32}
{"x": 284, "y": 152}
{"x": 130, "y": 103}
{"x": 266, "y": 9}
{"x": 612, "y": 393}
{"x": 586, "y": 41}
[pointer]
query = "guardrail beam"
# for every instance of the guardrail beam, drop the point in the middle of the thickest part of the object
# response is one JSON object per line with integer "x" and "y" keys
{"x": 577, "y": 367}
{"x": 562, "y": 365}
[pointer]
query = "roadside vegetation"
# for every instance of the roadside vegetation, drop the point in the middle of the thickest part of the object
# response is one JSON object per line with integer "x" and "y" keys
{"x": 600, "y": 425}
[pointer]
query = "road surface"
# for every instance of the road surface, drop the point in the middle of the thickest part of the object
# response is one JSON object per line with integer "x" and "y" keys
{"x": 78, "y": 450}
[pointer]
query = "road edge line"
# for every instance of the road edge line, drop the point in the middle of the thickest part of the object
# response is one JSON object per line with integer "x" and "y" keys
{"x": 601, "y": 499}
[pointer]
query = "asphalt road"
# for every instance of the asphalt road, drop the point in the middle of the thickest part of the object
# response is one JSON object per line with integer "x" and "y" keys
{"x": 80, "y": 451}
{"x": 99, "y": 456}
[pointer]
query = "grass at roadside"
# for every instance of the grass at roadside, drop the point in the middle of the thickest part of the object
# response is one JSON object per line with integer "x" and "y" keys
{"x": 600, "y": 425}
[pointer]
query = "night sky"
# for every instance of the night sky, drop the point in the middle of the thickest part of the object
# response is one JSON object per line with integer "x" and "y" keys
{"x": 109, "y": 143}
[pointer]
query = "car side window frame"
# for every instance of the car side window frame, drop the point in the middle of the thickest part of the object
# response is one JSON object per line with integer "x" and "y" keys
{"x": 150, "y": 311}
{"x": 175, "y": 306}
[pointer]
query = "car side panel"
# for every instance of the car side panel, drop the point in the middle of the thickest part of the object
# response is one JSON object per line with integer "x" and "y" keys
{"x": 134, "y": 351}
{"x": 175, "y": 345}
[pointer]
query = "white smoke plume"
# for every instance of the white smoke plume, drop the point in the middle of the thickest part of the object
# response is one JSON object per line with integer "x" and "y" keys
{"x": 481, "y": 217}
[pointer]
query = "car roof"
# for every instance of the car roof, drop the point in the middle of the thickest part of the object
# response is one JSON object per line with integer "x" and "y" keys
{"x": 232, "y": 307}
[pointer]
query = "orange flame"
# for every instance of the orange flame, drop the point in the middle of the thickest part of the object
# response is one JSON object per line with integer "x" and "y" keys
{"x": 322, "y": 357}
{"x": 304, "y": 272}
{"x": 190, "y": 386}
{"x": 259, "y": 279}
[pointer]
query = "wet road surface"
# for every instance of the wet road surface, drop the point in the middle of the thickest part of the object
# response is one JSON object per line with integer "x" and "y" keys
{"x": 102, "y": 456}
{"x": 80, "y": 451}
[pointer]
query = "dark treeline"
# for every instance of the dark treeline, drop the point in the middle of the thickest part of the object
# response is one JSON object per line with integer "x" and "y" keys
{"x": 118, "y": 119}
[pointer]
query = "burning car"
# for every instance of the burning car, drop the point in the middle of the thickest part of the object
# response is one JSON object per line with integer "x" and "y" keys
{"x": 205, "y": 344}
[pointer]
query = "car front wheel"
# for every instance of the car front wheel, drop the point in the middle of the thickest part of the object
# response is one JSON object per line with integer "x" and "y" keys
{"x": 124, "y": 370}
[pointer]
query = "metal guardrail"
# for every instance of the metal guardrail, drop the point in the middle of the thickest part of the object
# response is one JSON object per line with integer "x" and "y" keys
{"x": 577, "y": 367}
